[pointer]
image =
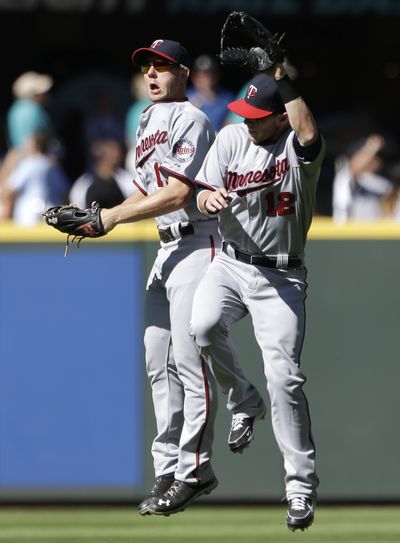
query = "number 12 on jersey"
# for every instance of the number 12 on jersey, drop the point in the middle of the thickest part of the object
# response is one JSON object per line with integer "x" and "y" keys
{"x": 280, "y": 204}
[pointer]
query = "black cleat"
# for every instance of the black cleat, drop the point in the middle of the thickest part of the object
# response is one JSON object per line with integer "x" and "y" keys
{"x": 241, "y": 433}
{"x": 300, "y": 514}
{"x": 179, "y": 496}
{"x": 161, "y": 485}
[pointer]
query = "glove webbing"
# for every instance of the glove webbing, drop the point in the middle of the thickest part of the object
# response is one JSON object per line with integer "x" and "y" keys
{"x": 79, "y": 238}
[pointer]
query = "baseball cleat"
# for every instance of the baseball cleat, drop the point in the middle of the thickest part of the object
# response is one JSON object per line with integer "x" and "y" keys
{"x": 179, "y": 496}
{"x": 241, "y": 433}
{"x": 300, "y": 513}
{"x": 161, "y": 485}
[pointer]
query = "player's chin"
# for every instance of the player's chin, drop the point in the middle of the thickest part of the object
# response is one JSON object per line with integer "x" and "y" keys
{"x": 258, "y": 139}
{"x": 156, "y": 93}
{"x": 253, "y": 137}
{"x": 156, "y": 97}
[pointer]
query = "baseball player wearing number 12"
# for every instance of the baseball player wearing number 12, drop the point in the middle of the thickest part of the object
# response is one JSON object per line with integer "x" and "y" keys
{"x": 173, "y": 138}
{"x": 261, "y": 177}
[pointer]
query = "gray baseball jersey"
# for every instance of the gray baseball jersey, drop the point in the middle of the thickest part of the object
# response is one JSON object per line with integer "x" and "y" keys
{"x": 272, "y": 192}
{"x": 173, "y": 139}
{"x": 272, "y": 189}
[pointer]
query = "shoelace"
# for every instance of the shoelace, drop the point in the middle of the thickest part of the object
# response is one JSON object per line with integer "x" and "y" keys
{"x": 298, "y": 504}
{"x": 237, "y": 422}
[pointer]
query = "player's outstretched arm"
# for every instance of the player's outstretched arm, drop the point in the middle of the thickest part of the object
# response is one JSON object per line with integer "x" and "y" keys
{"x": 175, "y": 195}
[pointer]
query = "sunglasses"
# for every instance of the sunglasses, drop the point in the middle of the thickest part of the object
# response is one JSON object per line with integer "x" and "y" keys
{"x": 159, "y": 66}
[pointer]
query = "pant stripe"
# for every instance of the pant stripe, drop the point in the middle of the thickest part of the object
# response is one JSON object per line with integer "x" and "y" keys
{"x": 207, "y": 398}
{"x": 212, "y": 243}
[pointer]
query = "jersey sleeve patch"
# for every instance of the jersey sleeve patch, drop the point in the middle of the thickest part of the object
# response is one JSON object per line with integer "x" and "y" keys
{"x": 183, "y": 150}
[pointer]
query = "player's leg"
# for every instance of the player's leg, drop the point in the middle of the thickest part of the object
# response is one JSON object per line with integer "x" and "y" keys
{"x": 167, "y": 390}
{"x": 194, "y": 475}
{"x": 200, "y": 403}
{"x": 217, "y": 306}
{"x": 166, "y": 387}
{"x": 278, "y": 313}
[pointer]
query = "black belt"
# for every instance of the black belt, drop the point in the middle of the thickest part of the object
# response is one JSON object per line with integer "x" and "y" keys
{"x": 166, "y": 234}
{"x": 267, "y": 261}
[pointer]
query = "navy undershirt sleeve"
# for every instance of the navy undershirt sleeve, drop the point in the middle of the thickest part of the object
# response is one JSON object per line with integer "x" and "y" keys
{"x": 310, "y": 152}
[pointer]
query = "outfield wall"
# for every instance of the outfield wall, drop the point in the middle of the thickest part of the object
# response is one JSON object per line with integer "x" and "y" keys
{"x": 76, "y": 416}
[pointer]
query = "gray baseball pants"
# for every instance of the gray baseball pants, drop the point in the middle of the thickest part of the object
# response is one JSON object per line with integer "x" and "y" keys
{"x": 183, "y": 386}
{"x": 275, "y": 300}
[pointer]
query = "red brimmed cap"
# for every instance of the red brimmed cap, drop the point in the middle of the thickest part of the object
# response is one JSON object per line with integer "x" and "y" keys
{"x": 262, "y": 98}
{"x": 168, "y": 49}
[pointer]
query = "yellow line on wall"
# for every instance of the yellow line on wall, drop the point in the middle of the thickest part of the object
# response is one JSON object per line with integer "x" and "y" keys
{"x": 325, "y": 228}
{"x": 41, "y": 233}
{"x": 321, "y": 228}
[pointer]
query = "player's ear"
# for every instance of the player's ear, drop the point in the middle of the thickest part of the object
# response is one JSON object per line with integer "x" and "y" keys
{"x": 284, "y": 119}
{"x": 184, "y": 73}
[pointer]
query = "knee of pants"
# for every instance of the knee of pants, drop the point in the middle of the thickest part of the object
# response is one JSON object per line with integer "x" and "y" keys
{"x": 205, "y": 329}
{"x": 157, "y": 348}
{"x": 285, "y": 377}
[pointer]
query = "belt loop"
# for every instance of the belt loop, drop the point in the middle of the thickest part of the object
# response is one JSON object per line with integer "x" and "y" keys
{"x": 175, "y": 231}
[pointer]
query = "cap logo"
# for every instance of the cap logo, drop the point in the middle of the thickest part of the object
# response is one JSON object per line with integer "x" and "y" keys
{"x": 251, "y": 91}
{"x": 156, "y": 43}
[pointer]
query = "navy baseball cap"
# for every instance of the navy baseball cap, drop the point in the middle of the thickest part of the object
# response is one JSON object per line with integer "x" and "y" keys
{"x": 168, "y": 49}
{"x": 262, "y": 98}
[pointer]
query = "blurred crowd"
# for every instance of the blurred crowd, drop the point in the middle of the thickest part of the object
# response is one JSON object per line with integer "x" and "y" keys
{"x": 90, "y": 155}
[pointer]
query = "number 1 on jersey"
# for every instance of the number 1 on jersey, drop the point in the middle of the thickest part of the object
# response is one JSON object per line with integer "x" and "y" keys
{"x": 158, "y": 175}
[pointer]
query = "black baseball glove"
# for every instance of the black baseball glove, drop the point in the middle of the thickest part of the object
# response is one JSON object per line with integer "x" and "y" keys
{"x": 76, "y": 222}
{"x": 248, "y": 44}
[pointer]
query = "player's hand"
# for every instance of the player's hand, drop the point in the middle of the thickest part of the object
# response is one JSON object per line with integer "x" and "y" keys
{"x": 217, "y": 201}
{"x": 277, "y": 72}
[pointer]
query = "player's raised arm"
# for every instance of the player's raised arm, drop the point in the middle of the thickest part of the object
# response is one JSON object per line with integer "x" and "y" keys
{"x": 247, "y": 43}
{"x": 300, "y": 116}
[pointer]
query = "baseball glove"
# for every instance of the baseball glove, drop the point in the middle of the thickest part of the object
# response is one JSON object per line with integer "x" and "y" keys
{"x": 247, "y": 43}
{"x": 76, "y": 222}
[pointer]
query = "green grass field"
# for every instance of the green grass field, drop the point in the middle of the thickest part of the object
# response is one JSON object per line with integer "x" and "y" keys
{"x": 198, "y": 524}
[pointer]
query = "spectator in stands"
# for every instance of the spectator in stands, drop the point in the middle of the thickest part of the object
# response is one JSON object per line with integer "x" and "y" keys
{"x": 206, "y": 93}
{"x": 27, "y": 114}
{"x": 391, "y": 203}
{"x": 359, "y": 188}
{"x": 101, "y": 122}
{"x": 36, "y": 183}
{"x": 106, "y": 182}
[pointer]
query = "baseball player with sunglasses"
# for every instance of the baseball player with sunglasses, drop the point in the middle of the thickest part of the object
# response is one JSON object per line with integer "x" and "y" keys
{"x": 172, "y": 141}
{"x": 260, "y": 177}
